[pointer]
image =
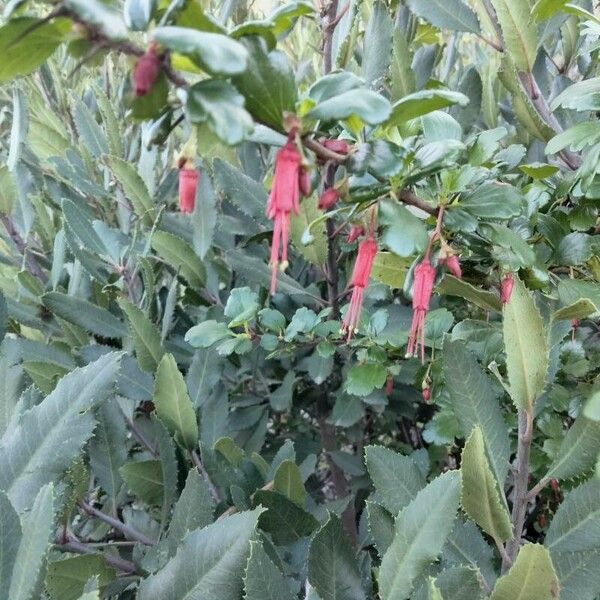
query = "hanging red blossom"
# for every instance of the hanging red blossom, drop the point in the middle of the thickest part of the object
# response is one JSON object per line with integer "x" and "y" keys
{"x": 328, "y": 198}
{"x": 506, "y": 288}
{"x": 367, "y": 250}
{"x": 452, "y": 264}
{"x": 355, "y": 232}
{"x": 188, "y": 183}
{"x": 283, "y": 200}
{"x": 304, "y": 182}
{"x": 424, "y": 278}
{"x": 146, "y": 71}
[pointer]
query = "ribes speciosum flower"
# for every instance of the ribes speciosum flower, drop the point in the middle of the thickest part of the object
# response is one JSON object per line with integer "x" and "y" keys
{"x": 506, "y": 288}
{"x": 424, "y": 278}
{"x": 304, "y": 181}
{"x": 355, "y": 232}
{"x": 146, "y": 71}
{"x": 188, "y": 183}
{"x": 426, "y": 392}
{"x": 367, "y": 250}
{"x": 452, "y": 264}
{"x": 283, "y": 200}
{"x": 328, "y": 198}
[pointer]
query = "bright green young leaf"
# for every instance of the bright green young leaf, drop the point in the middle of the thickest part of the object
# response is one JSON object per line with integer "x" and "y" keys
{"x": 173, "y": 405}
{"x": 420, "y": 532}
{"x": 531, "y": 577}
{"x": 526, "y": 347}
{"x": 480, "y": 496}
{"x": 205, "y": 334}
{"x": 215, "y": 53}
{"x": 332, "y": 566}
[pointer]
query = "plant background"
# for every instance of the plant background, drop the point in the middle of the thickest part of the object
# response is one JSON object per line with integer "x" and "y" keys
{"x": 171, "y": 431}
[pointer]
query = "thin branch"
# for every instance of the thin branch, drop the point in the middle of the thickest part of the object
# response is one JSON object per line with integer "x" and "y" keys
{"x": 323, "y": 152}
{"x": 536, "y": 489}
{"x": 77, "y": 547}
{"x": 32, "y": 263}
{"x": 211, "y": 487}
{"x": 127, "y": 531}
{"x": 408, "y": 197}
{"x": 138, "y": 435}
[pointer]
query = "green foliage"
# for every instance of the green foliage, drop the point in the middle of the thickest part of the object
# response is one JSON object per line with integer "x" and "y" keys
{"x": 170, "y": 429}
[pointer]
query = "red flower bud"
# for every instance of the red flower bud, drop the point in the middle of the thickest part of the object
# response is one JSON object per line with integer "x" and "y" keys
{"x": 389, "y": 385}
{"x": 328, "y": 198}
{"x": 304, "y": 182}
{"x": 145, "y": 72}
{"x": 426, "y": 394}
{"x": 355, "y": 232}
{"x": 339, "y": 146}
{"x": 452, "y": 263}
{"x": 506, "y": 288}
{"x": 188, "y": 183}
{"x": 575, "y": 323}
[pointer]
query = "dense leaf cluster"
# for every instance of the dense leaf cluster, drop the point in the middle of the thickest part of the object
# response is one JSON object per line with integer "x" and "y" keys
{"x": 170, "y": 430}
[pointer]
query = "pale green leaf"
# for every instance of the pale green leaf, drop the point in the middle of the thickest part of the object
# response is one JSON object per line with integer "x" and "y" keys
{"x": 288, "y": 481}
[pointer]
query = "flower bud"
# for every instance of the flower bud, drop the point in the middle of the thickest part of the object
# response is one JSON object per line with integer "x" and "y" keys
{"x": 304, "y": 182}
{"x": 426, "y": 394}
{"x": 328, "y": 198}
{"x": 355, "y": 232}
{"x": 188, "y": 183}
{"x": 339, "y": 146}
{"x": 146, "y": 72}
{"x": 506, "y": 288}
{"x": 452, "y": 264}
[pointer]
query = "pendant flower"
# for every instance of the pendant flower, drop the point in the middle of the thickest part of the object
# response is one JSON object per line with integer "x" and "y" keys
{"x": 424, "y": 278}
{"x": 452, "y": 264}
{"x": 146, "y": 71}
{"x": 283, "y": 200}
{"x": 367, "y": 250}
{"x": 188, "y": 184}
{"x": 304, "y": 181}
{"x": 355, "y": 232}
{"x": 328, "y": 198}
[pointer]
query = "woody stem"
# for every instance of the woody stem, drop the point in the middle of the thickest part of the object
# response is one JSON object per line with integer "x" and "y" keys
{"x": 436, "y": 232}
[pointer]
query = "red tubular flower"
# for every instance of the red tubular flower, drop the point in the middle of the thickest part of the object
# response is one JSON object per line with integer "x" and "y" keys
{"x": 424, "y": 278}
{"x": 506, "y": 288}
{"x": 367, "y": 250}
{"x": 452, "y": 263}
{"x": 426, "y": 394}
{"x": 188, "y": 183}
{"x": 355, "y": 232}
{"x": 283, "y": 200}
{"x": 328, "y": 198}
{"x": 304, "y": 182}
{"x": 146, "y": 72}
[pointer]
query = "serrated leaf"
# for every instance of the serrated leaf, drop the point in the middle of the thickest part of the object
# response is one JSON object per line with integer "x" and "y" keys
{"x": 88, "y": 130}
{"x": 108, "y": 450}
{"x": 526, "y": 345}
{"x": 480, "y": 497}
{"x": 381, "y": 526}
{"x": 67, "y": 578}
{"x": 204, "y": 217}
{"x": 11, "y": 381}
{"x": 457, "y": 287}
{"x": 134, "y": 188}
{"x": 86, "y": 315}
{"x": 283, "y": 519}
{"x": 378, "y": 38}
{"x": 173, "y": 405}
{"x": 453, "y": 14}
{"x": 146, "y": 338}
{"x": 518, "y": 31}
{"x": 420, "y": 532}
{"x": 209, "y": 564}
{"x": 581, "y": 309}
{"x": 475, "y": 405}
{"x": 177, "y": 253}
{"x": 493, "y": 200}
{"x": 288, "y": 481}
{"x": 37, "y": 526}
{"x": 81, "y": 226}
{"x": 42, "y": 444}
{"x": 10, "y": 538}
{"x": 263, "y": 580}
{"x": 193, "y": 510}
{"x": 531, "y": 577}
{"x": 578, "y": 451}
{"x": 144, "y": 479}
{"x": 396, "y": 478}
{"x": 204, "y": 373}
{"x": 332, "y": 566}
